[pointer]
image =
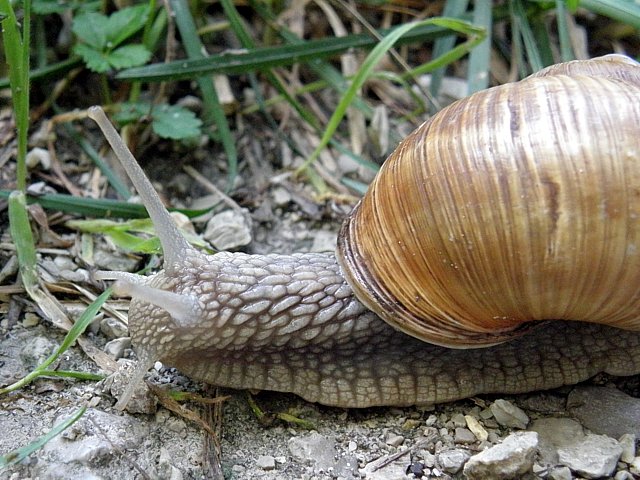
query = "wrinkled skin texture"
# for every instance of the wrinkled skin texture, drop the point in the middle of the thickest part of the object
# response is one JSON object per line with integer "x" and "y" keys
{"x": 291, "y": 323}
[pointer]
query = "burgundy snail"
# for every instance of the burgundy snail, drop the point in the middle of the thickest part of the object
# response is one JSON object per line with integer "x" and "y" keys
{"x": 513, "y": 214}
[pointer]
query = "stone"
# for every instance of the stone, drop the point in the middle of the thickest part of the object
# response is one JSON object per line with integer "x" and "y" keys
{"x": 116, "y": 348}
{"x": 324, "y": 241}
{"x": 510, "y": 459}
{"x": 266, "y": 462}
{"x": 112, "y": 328}
{"x": 37, "y": 350}
{"x": 313, "y": 449}
{"x": 554, "y": 433}
{"x": 228, "y": 230}
{"x": 623, "y": 475}
{"x": 393, "y": 471}
{"x": 628, "y": 444}
{"x": 452, "y": 461}
{"x": 464, "y": 436}
{"x": 595, "y": 456}
{"x": 166, "y": 470}
{"x": 509, "y": 415}
{"x": 394, "y": 440}
{"x": 560, "y": 473}
{"x": 476, "y": 428}
{"x": 142, "y": 400}
{"x": 606, "y": 411}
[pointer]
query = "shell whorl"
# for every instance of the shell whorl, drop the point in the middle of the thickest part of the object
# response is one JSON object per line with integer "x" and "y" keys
{"x": 520, "y": 203}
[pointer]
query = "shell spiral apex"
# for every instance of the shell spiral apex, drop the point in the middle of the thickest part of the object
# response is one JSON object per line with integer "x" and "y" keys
{"x": 521, "y": 203}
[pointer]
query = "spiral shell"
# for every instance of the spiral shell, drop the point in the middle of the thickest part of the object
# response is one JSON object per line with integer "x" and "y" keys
{"x": 518, "y": 204}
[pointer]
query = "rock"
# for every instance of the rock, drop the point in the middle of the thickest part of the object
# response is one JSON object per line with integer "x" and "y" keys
{"x": 458, "y": 420}
{"x": 36, "y": 350}
{"x": 38, "y": 156}
{"x": 595, "y": 456}
{"x": 313, "y": 449}
{"x": 554, "y": 433}
{"x": 508, "y": 415}
{"x": 476, "y": 428}
{"x": 115, "y": 348}
{"x": 606, "y": 411}
{"x": 266, "y": 462}
{"x": 30, "y": 320}
{"x": 93, "y": 441}
{"x": 142, "y": 400}
{"x": 464, "y": 436}
{"x": 628, "y": 444}
{"x": 452, "y": 461}
{"x": 281, "y": 196}
{"x": 393, "y": 471}
{"x": 166, "y": 470}
{"x": 324, "y": 241}
{"x": 560, "y": 473}
{"x": 394, "y": 440}
{"x": 623, "y": 475}
{"x": 228, "y": 230}
{"x": 510, "y": 459}
{"x": 112, "y": 328}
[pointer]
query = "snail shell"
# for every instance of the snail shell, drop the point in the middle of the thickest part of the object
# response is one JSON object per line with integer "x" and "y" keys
{"x": 517, "y": 204}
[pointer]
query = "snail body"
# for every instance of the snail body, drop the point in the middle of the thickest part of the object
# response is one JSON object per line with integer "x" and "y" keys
{"x": 505, "y": 209}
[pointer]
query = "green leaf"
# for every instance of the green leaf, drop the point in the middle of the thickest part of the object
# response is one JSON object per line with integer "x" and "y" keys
{"x": 172, "y": 121}
{"x": 131, "y": 112}
{"x": 124, "y": 23}
{"x": 46, "y": 7}
{"x": 129, "y": 56}
{"x": 22, "y": 237}
{"x": 90, "y": 28}
{"x": 94, "y": 59}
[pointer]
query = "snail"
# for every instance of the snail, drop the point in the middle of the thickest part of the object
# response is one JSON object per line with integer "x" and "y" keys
{"x": 510, "y": 221}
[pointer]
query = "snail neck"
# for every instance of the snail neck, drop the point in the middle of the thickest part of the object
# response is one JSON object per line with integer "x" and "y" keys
{"x": 235, "y": 301}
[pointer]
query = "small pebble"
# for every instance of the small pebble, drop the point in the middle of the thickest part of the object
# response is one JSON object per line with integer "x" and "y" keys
{"x": 509, "y": 415}
{"x": 228, "y": 230}
{"x": 394, "y": 440}
{"x": 464, "y": 436}
{"x": 112, "y": 328}
{"x": 266, "y": 462}
{"x": 560, "y": 473}
{"x": 476, "y": 428}
{"x": 452, "y": 461}
{"x": 30, "y": 320}
{"x": 458, "y": 420}
{"x": 623, "y": 475}
{"x": 116, "y": 348}
{"x": 628, "y": 444}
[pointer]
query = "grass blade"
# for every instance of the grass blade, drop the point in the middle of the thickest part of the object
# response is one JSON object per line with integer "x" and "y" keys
{"x": 20, "y": 454}
{"x": 479, "y": 58}
{"x": 72, "y": 335}
{"x": 624, "y": 11}
{"x": 264, "y": 58}
{"x": 95, "y": 207}
{"x": 365, "y": 71}
{"x": 213, "y": 111}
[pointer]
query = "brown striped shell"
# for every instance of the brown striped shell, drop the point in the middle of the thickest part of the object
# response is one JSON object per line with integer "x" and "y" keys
{"x": 520, "y": 203}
